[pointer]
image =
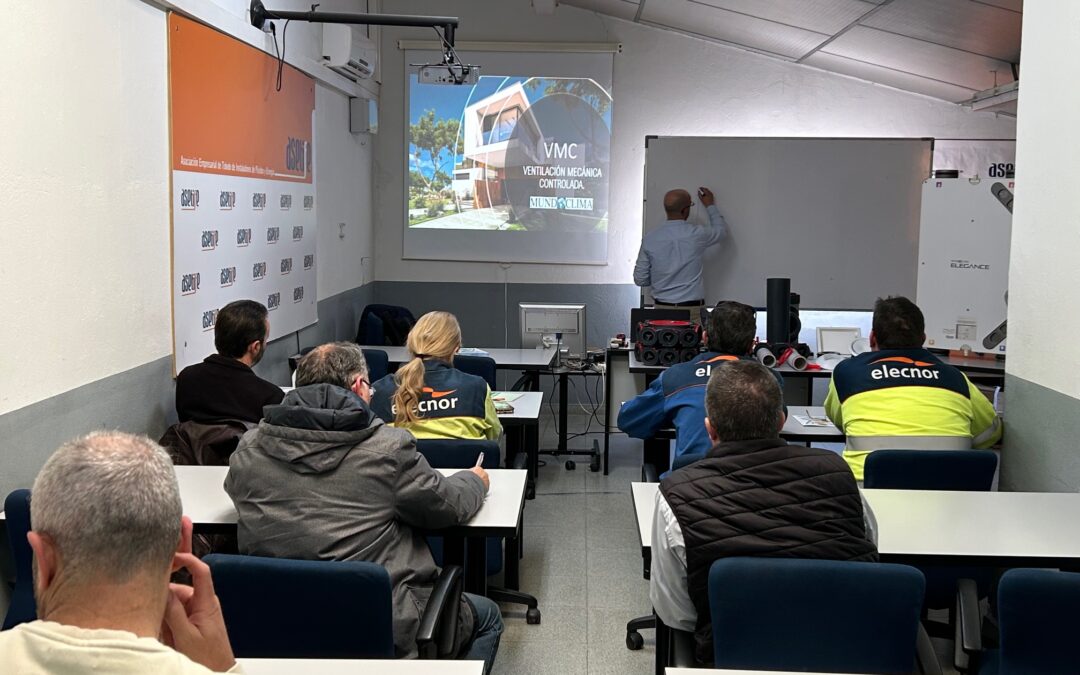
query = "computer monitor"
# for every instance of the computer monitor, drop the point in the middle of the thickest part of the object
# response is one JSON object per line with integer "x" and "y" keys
{"x": 541, "y": 321}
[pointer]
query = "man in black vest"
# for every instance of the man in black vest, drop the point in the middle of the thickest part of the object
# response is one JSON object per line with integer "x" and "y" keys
{"x": 752, "y": 495}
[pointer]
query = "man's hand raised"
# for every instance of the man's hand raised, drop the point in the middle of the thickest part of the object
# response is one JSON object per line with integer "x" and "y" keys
{"x": 194, "y": 625}
{"x": 706, "y": 196}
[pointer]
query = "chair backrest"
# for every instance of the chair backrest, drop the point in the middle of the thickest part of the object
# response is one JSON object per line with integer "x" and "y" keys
{"x": 967, "y": 470}
{"x": 304, "y": 608}
{"x": 1037, "y": 612}
{"x": 481, "y": 366}
{"x": 193, "y": 443}
{"x": 23, "y": 607}
{"x": 384, "y": 325}
{"x": 378, "y": 364}
{"x": 459, "y": 453}
{"x": 814, "y": 615}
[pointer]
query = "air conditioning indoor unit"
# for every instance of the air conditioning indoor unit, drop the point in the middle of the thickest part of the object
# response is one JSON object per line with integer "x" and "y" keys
{"x": 348, "y": 52}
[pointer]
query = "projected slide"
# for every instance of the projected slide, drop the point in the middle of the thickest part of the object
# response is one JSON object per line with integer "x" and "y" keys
{"x": 524, "y": 155}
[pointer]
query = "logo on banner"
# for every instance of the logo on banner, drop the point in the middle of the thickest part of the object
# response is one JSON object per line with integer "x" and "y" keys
{"x": 273, "y": 234}
{"x": 286, "y": 265}
{"x": 967, "y": 265}
{"x": 298, "y": 294}
{"x": 209, "y": 319}
{"x": 258, "y": 201}
{"x": 297, "y": 232}
{"x": 309, "y": 202}
{"x": 189, "y": 200}
{"x": 227, "y": 200}
{"x": 561, "y": 203}
{"x": 189, "y": 283}
{"x": 286, "y": 202}
{"x": 258, "y": 271}
{"x": 243, "y": 236}
{"x": 309, "y": 261}
{"x": 209, "y": 240}
{"x": 273, "y": 301}
{"x": 297, "y": 157}
{"x": 228, "y": 276}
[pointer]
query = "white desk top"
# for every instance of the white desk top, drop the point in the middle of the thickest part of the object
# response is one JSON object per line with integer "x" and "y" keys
{"x": 949, "y": 524}
{"x": 524, "y": 359}
{"x": 360, "y": 667}
{"x": 526, "y": 404}
{"x": 202, "y": 492}
{"x": 793, "y": 428}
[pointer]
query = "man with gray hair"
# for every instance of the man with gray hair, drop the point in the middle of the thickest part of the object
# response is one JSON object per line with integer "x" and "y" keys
{"x": 752, "y": 495}
{"x": 322, "y": 478}
{"x": 108, "y": 532}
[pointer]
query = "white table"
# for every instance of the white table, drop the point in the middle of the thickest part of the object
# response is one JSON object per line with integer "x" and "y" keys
{"x": 523, "y": 431}
{"x": 794, "y": 431}
{"x": 359, "y": 667}
{"x": 526, "y": 405}
{"x": 509, "y": 359}
{"x": 933, "y": 527}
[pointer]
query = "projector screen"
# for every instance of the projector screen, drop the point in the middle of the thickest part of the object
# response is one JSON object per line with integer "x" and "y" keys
{"x": 513, "y": 168}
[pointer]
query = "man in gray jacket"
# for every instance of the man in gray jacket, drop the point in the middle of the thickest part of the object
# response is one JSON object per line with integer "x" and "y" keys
{"x": 322, "y": 478}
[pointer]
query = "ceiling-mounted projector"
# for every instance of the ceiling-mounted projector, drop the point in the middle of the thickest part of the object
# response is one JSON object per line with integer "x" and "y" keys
{"x": 446, "y": 73}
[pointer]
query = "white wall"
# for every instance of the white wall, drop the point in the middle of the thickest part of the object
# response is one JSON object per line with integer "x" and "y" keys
{"x": 84, "y": 264}
{"x": 664, "y": 84}
{"x": 1043, "y": 273}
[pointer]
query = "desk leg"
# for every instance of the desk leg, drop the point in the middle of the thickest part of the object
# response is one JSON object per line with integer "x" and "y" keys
{"x": 563, "y": 407}
{"x": 511, "y": 562}
{"x": 607, "y": 408}
{"x": 663, "y": 640}
{"x": 475, "y": 577}
{"x": 531, "y": 437}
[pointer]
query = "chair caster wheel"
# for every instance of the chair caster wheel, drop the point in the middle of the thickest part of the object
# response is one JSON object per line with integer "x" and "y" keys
{"x": 570, "y": 465}
{"x": 634, "y": 641}
{"x": 594, "y": 463}
{"x": 532, "y": 616}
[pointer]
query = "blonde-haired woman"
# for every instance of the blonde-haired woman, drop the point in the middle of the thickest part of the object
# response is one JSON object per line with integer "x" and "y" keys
{"x": 431, "y": 398}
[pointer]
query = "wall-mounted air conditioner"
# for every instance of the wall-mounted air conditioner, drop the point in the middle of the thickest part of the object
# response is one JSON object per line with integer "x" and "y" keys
{"x": 347, "y": 52}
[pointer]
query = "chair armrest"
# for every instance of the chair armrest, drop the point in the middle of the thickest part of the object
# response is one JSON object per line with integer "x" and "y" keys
{"x": 649, "y": 474}
{"x": 437, "y": 634}
{"x": 682, "y": 647}
{"x": 925, "y": 656}
{"x": 521, "y": 460}
{"x": 968, "y": 618}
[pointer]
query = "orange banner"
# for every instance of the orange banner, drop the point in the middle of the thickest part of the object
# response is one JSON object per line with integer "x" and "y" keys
{"x": 227, "y": 117}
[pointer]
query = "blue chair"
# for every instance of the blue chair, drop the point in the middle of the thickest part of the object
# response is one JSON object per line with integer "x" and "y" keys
{"x": 378, "y": 364}
{"x": 323, "y": 609}
{"x": 462, "y": 454}
{"x": 1037, "y": 616}
{"x": 384, "y": 325}
{"x": 817, "y": 615}
{"x": 23, "y": 607}
{"x": 481, "y": 366}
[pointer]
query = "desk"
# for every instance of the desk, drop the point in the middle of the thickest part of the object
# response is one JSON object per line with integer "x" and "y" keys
{"x": 359, "y": 667}
{"x": 505, "y": 359}
{"x": 794, "y": 431}
{"x": 210, "y": 508}
{"x": 523, "y": 432}
{"x": 932, "y": 527}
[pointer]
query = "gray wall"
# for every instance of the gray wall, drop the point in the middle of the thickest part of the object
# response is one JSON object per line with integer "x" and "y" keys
{"x": 1042, "y": 439}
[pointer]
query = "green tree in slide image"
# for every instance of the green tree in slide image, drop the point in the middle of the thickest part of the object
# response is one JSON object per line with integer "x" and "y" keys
{"x": 433, "y": 136}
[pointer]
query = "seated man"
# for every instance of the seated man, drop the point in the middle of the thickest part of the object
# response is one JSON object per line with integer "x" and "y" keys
{"x": 107, "y": 533}
{"x": 323, "y": 478}
{"x": 752, "y": 495}
{"x": 677, "y": 397}
{"x": 224, "y": 387}
{"x": 900, "y": 396}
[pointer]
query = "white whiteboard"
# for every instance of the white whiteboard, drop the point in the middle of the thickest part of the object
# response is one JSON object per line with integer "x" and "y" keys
{"x": 839, "y": 216}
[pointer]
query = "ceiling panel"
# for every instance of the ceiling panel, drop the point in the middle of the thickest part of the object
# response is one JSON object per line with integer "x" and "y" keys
{"x": 822, "y": 16}
{"x": 920, "y": 58}
{"x": 892, "y": 78}
{"x": 971, "y": 26}
{"x": 739, "y": 29}
{"x": 623, "y": 9}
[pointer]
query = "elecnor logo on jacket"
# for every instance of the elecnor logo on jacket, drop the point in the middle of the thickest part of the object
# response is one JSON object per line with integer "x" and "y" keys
{"x": 286, "y": 202}
{"x": 258, "y": 201}
{"x": 228, "y": 276}
{"x": 967, "y": 265}
{"x": 309, "y": 202}
{"x": 273, "y": 301}
{"x": 243, "y": 236}
{"x": 209, "y": 318}
{"x": 189, "y": 199}
{"x": 189, "y": 283}
{"x": 258, "y": 271}
{"x": 273, "y": 234}
{"x": 286, "y": 265}
{"x": 209, "y": 240}
{"x": 706, "y": 370}
{"x": 910, "y": 368}
{"x": 227, "y": 200}
{"x": 297, "y": 232}
{"x": 309, "y": 261}
{"x": 298, "y": 294}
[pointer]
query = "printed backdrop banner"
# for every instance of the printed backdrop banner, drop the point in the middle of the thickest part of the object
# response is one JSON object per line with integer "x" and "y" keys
{"x": 243, "y": 190}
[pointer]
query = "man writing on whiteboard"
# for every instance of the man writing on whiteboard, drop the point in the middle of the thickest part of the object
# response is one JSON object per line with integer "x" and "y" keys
{"x": 670, "y": 259}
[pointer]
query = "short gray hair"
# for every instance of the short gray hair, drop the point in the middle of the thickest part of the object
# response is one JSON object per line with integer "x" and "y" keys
{"x": 743, "y": 401}
{"x": 338, "y": 363}
{"x": 110, "y": 502}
